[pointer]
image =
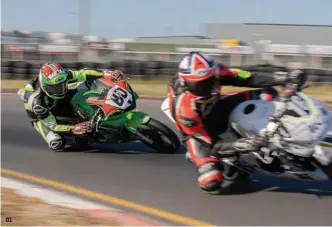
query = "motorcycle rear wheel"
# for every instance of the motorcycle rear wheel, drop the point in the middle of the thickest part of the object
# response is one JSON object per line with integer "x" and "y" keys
{"x": 152, "y": 134}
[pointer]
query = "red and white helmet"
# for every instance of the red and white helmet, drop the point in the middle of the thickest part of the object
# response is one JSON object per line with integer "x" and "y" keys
{"x": 198, "y": 71}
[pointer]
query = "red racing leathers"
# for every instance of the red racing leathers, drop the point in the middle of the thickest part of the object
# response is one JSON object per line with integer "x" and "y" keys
{"x": 201, "y": 119}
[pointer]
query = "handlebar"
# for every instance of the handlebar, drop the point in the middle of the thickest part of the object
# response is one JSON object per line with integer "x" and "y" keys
{"x": 298, "y": 78}
{"x": 294, "y": 83}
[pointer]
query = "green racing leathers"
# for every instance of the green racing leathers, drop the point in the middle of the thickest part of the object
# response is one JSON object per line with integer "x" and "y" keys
{"x": 41, "y": 108}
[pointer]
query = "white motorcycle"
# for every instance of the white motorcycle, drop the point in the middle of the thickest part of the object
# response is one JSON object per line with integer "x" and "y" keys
{"x": 300, "y": 144}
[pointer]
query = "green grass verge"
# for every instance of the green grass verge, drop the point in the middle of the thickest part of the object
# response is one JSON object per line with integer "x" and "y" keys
{"x": 159, "y": 88}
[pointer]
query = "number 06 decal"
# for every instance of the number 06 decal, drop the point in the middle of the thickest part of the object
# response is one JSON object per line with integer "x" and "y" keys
{"x": 118, "y": 97}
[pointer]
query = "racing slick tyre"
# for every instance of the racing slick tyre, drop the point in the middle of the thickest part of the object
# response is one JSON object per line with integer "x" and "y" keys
{"x": 159, "y": 137}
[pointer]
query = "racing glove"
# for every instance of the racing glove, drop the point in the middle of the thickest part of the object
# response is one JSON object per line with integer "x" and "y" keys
{"x": 83, "y": 128}
{"x": 294, "y": 82}
{"x": 243, "y": 145}
{"x": 296, "y": 77}
{"x": 115, "y": 75}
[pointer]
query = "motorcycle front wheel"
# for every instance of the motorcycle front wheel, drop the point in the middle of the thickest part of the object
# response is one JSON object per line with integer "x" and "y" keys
{"x": 159, "y": 137}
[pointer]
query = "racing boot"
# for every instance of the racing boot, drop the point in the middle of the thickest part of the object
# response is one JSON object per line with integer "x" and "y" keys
{"x": 210, "y": 177}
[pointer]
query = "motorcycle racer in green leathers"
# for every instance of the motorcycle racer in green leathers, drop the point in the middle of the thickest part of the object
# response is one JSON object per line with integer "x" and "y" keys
{"x": 43, "y": 94}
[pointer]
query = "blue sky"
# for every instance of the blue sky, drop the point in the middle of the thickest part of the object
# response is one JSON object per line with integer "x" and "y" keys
{"x": 130, "y": 18}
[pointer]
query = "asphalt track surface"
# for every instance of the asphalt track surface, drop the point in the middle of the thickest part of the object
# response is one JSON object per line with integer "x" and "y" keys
{"x": 165, "y": 182}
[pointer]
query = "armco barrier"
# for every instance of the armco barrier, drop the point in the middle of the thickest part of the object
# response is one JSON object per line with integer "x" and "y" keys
{"x": 146, "y": 69}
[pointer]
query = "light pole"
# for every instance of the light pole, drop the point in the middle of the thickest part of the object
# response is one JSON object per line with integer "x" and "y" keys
{"x": 75, "y": 14}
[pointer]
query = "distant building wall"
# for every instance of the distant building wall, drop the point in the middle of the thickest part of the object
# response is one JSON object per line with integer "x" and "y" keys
{"x": 177, "y": 40}
{"x": 279, "y": 34}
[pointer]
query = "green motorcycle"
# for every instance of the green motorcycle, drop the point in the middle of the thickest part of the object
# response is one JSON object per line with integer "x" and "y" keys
{"x": 117, "y": 118}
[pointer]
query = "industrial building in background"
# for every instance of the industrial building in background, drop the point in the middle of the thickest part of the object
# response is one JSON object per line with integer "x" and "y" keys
{"x": 234, "y": 44}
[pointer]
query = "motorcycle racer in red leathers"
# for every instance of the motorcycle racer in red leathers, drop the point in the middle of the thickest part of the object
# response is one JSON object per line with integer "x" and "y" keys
{"x": 201, "y": 112}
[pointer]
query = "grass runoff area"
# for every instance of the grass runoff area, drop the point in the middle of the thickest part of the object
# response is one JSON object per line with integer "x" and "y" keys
{"x": 19, "y": 210}
{"x": 159, "y": 88}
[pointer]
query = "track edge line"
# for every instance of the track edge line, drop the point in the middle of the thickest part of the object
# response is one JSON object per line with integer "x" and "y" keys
{"x": 110, "y": 199}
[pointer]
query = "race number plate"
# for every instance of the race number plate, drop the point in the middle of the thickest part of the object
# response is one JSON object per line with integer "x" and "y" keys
{"x": 119, "y": 97}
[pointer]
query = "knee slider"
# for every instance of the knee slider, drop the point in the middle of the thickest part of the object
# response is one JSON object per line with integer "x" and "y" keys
{"x": 55, "y": 141}
{"x": 209, "y": 177}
